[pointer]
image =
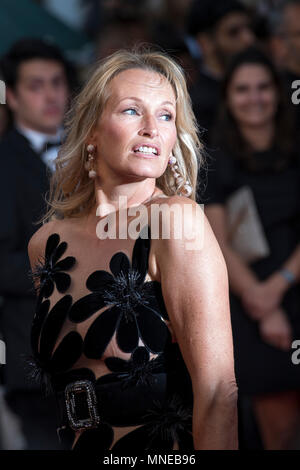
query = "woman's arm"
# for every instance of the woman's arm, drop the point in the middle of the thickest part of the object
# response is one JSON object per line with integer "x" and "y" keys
{"x": 276, "y": 330}
{"x": 195, "y": 289}
{"x": 267, "y": 296}
{"x": 241, "y": 278}
{"x": 260, "y": 298}
{"x": 277, "y": 282}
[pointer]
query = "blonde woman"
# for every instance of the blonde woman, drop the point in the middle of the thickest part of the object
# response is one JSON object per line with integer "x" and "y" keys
{"x": 133, "y": 332}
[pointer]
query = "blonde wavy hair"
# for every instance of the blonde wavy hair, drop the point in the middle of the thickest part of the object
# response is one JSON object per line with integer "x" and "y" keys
{"x": 71, "y": 190}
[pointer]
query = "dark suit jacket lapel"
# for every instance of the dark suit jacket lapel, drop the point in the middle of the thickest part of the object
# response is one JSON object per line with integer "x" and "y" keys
{"x": 29, "y": 160}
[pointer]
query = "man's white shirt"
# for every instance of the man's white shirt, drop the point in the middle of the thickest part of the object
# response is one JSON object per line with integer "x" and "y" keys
{"x": 38, "y": 140}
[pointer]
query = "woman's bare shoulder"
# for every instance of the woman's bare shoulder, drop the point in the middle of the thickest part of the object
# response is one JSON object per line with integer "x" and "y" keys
{"x": 176, "y": 212}
{"x": 182, "y": 231}
{"x": 174, "y": 199}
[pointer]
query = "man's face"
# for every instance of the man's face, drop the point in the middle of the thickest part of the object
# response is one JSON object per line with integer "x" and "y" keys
{"x": 40, "y": 97}
{"x": 291, "y": 35}
{"x": 232, "y": 34}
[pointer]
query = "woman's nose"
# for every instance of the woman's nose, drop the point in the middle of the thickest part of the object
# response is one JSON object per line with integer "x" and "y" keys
{"x": 148, "y": 128}
{"x": 254, "y": 96}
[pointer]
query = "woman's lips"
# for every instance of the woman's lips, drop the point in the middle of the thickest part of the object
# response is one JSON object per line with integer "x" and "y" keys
{"x": 147, "y": 146}
{"x": 145, "y": 155}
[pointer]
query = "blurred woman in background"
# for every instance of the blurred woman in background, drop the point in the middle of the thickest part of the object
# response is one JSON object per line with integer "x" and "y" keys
{"x": 257, "y": 153}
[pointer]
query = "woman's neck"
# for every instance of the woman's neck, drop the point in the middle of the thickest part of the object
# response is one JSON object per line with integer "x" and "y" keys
{"x": 110, "y": 200}
{"x": 115, "y": 197}
{"x": 259, "y": 137}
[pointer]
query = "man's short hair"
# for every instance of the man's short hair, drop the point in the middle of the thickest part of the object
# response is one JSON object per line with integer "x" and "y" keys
{"x": 204, "y": 15}
{"x": 29, "y": 49}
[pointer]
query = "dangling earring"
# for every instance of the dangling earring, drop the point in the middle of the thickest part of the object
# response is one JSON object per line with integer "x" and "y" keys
{"x": 89, "y": 163}
{"x": 187, "y": 187}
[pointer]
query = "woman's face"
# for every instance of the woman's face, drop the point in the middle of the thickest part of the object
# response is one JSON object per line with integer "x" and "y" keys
{"x": 252, "y": 96}
{"x": 136, "y": 132}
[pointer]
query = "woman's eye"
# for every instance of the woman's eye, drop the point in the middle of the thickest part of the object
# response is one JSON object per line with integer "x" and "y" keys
{"x": 265, "y": 86}
{"x": 167, "y": 117}
{"x": 130, "y": 111}
{"x": 241, "y": 89}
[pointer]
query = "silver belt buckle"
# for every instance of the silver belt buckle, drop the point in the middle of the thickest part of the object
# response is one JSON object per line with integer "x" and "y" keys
{"x": 76, "y": 388}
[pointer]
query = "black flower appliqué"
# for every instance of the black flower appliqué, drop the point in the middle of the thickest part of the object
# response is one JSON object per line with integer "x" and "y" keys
{"x": 139, "y": 369}
{"x": 169, "y": 424}
{"x": 46, "y": 327}
{"x": 134, "y": 312}
{"x": 49, "y": 271}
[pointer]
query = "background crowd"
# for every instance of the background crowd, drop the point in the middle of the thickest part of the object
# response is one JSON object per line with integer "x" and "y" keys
{"x": 242, "y": 63}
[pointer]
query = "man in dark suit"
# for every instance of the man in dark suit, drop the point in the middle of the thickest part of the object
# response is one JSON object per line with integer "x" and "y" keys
{"x": 37, "y": 83}
{"x": 221, "y": 29}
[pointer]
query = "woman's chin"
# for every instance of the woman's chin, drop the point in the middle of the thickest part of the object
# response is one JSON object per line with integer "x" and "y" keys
{"x": 256, "y": 121}
{"x": 145, "y": 173}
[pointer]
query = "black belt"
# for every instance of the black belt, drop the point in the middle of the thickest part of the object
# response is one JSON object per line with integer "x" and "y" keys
{"x": 78, "y": 405}
{"x": 83, "y": 405}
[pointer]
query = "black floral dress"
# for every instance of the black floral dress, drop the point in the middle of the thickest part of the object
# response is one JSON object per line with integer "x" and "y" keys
{"x": 151, "y": 391}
